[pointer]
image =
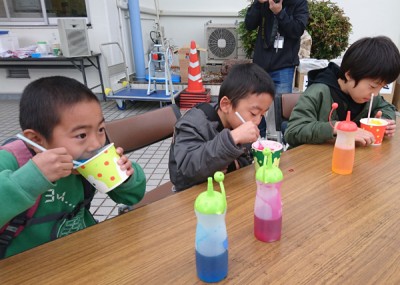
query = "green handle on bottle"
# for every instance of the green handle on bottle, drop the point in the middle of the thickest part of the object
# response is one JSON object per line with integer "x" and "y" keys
{"x": 210, "y": 201}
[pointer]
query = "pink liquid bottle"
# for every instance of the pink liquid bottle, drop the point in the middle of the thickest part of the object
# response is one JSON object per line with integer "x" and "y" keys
{"x": 344, "y": 150}
{"x": 268, "y": 204}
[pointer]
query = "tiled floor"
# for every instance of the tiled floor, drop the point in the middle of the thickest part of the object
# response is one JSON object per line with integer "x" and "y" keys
{"x": 153, "y": 159}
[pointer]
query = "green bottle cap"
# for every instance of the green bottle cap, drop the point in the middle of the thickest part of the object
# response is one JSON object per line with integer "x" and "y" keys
{"x": 268, "y": 173}
{"x": 210, "y": 201}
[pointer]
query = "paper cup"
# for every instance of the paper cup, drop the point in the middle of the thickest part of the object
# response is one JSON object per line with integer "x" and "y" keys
{"x": 376, "y": 126}
{"x": 56, "y": 51}
{"x": 275, "y": 147}
{"x": 102, "y": 170}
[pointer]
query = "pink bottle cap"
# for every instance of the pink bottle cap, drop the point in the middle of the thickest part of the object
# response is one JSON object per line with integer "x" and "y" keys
{"x": 348, "y": 125}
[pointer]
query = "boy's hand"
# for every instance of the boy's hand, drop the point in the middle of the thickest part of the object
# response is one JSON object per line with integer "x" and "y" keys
{"x": 124, "y": 162}
{"x": 390, "y": 128}
{"x": 54, "y": 163}
{"x": 247, "y": 132}
{"x": 364, "y": 137}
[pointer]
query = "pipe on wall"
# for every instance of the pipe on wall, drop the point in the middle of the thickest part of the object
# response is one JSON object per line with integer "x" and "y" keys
{"x": 137, "y": 39}
{"x": 189, "y": 13}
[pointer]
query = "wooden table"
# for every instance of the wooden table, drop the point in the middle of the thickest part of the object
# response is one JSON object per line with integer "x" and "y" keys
{"x": 336, "y": 230}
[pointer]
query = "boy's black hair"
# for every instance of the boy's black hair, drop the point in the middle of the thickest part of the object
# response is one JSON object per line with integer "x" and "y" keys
{"x": 42, "y": 100}
{"x": 244, "y": 80}
{"x": 373, "y": 58}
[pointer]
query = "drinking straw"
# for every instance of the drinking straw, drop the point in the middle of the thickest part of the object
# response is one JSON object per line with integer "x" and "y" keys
{"x": 32, "y": 143}
{"x": 370, "y": 106}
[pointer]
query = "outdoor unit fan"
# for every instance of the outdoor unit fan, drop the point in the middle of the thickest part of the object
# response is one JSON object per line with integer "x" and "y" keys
{"x": 221, "y": 42}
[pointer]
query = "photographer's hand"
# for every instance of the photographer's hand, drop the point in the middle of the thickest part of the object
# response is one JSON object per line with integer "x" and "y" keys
{"x": 274, "y": 6}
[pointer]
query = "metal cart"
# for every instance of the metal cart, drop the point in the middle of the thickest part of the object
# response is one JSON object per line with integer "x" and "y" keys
{"x": 115, "y": 66}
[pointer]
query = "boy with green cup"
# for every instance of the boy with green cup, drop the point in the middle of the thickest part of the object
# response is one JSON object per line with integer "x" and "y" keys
{"x": 63, "y": 116}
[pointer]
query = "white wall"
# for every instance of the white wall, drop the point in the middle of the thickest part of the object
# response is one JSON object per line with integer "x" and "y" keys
{"x": 184, "y": 21}
{"x": 373, "y": 18}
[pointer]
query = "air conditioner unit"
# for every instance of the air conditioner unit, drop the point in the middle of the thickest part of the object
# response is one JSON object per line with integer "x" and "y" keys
{"x": 221, "y": 41}
{"x": 74, "y": 38}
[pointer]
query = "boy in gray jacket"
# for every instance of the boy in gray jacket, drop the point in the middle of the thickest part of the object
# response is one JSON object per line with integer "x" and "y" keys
{"x": 211, "y": 137}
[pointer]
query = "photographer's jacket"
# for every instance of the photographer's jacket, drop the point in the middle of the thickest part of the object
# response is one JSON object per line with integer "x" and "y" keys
{"x": 291, "y": 22}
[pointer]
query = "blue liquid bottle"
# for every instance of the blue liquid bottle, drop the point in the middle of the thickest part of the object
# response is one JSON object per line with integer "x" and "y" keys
{"x": 211, "y": 235}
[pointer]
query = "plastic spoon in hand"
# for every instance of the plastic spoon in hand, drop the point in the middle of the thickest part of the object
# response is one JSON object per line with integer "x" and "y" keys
{"x": 32, "y": 143}
{"x": 240, "y": 117}
{"x": 259, "y": 146}
{"x": 370, "y": 107}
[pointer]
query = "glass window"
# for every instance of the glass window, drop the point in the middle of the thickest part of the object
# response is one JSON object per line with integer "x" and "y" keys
{"x": 2, "y": 10}
{"x": 24, "y": 10}
{"x": 66, "y": 8}
{"x": 40, "y": 12}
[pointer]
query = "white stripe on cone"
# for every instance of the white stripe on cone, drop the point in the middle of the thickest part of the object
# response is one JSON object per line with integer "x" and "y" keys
{"x": 195, "y": 77}
{"x": 194, "y": 64}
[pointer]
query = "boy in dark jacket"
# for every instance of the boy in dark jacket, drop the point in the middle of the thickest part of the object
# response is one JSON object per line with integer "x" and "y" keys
{"x": 367, "y": 66}
{"x": 212, "y": 138}
{"x": 65, "y": 117}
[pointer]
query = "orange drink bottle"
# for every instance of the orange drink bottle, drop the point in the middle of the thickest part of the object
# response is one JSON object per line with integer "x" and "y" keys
{"x": 344, "y": 150}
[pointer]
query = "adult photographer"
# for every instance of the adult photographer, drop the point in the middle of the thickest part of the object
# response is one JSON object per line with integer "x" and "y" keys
{"x": 280, "y": 25}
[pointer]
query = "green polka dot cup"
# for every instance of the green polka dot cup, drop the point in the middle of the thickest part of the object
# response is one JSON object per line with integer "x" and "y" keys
{"x": 257, "y": 148}
{"x": 102, "y": 170}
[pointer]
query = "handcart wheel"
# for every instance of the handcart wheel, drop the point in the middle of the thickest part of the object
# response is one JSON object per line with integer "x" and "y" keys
{"x": 121, "y": 104}
{"x": 108, "y": 91}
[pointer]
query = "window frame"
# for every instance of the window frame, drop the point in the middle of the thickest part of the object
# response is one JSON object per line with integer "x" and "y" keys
{"x": 41, "y": 21}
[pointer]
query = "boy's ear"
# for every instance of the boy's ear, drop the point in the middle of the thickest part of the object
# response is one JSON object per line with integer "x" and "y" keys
{"x": 225, "y": 104}
{"x": 348, "y": 76}
{"x": 35, "y": 137}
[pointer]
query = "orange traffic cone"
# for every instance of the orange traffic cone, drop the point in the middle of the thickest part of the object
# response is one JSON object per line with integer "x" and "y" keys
{"x": 195, "y": 83}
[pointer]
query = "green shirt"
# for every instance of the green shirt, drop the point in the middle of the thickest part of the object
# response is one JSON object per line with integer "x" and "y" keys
{"x": 308, "y": 123}
{"x": 20, "y": 187}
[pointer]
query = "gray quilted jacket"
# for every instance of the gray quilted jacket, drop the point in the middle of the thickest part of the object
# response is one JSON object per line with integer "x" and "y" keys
{"x": 198, "y": 150}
